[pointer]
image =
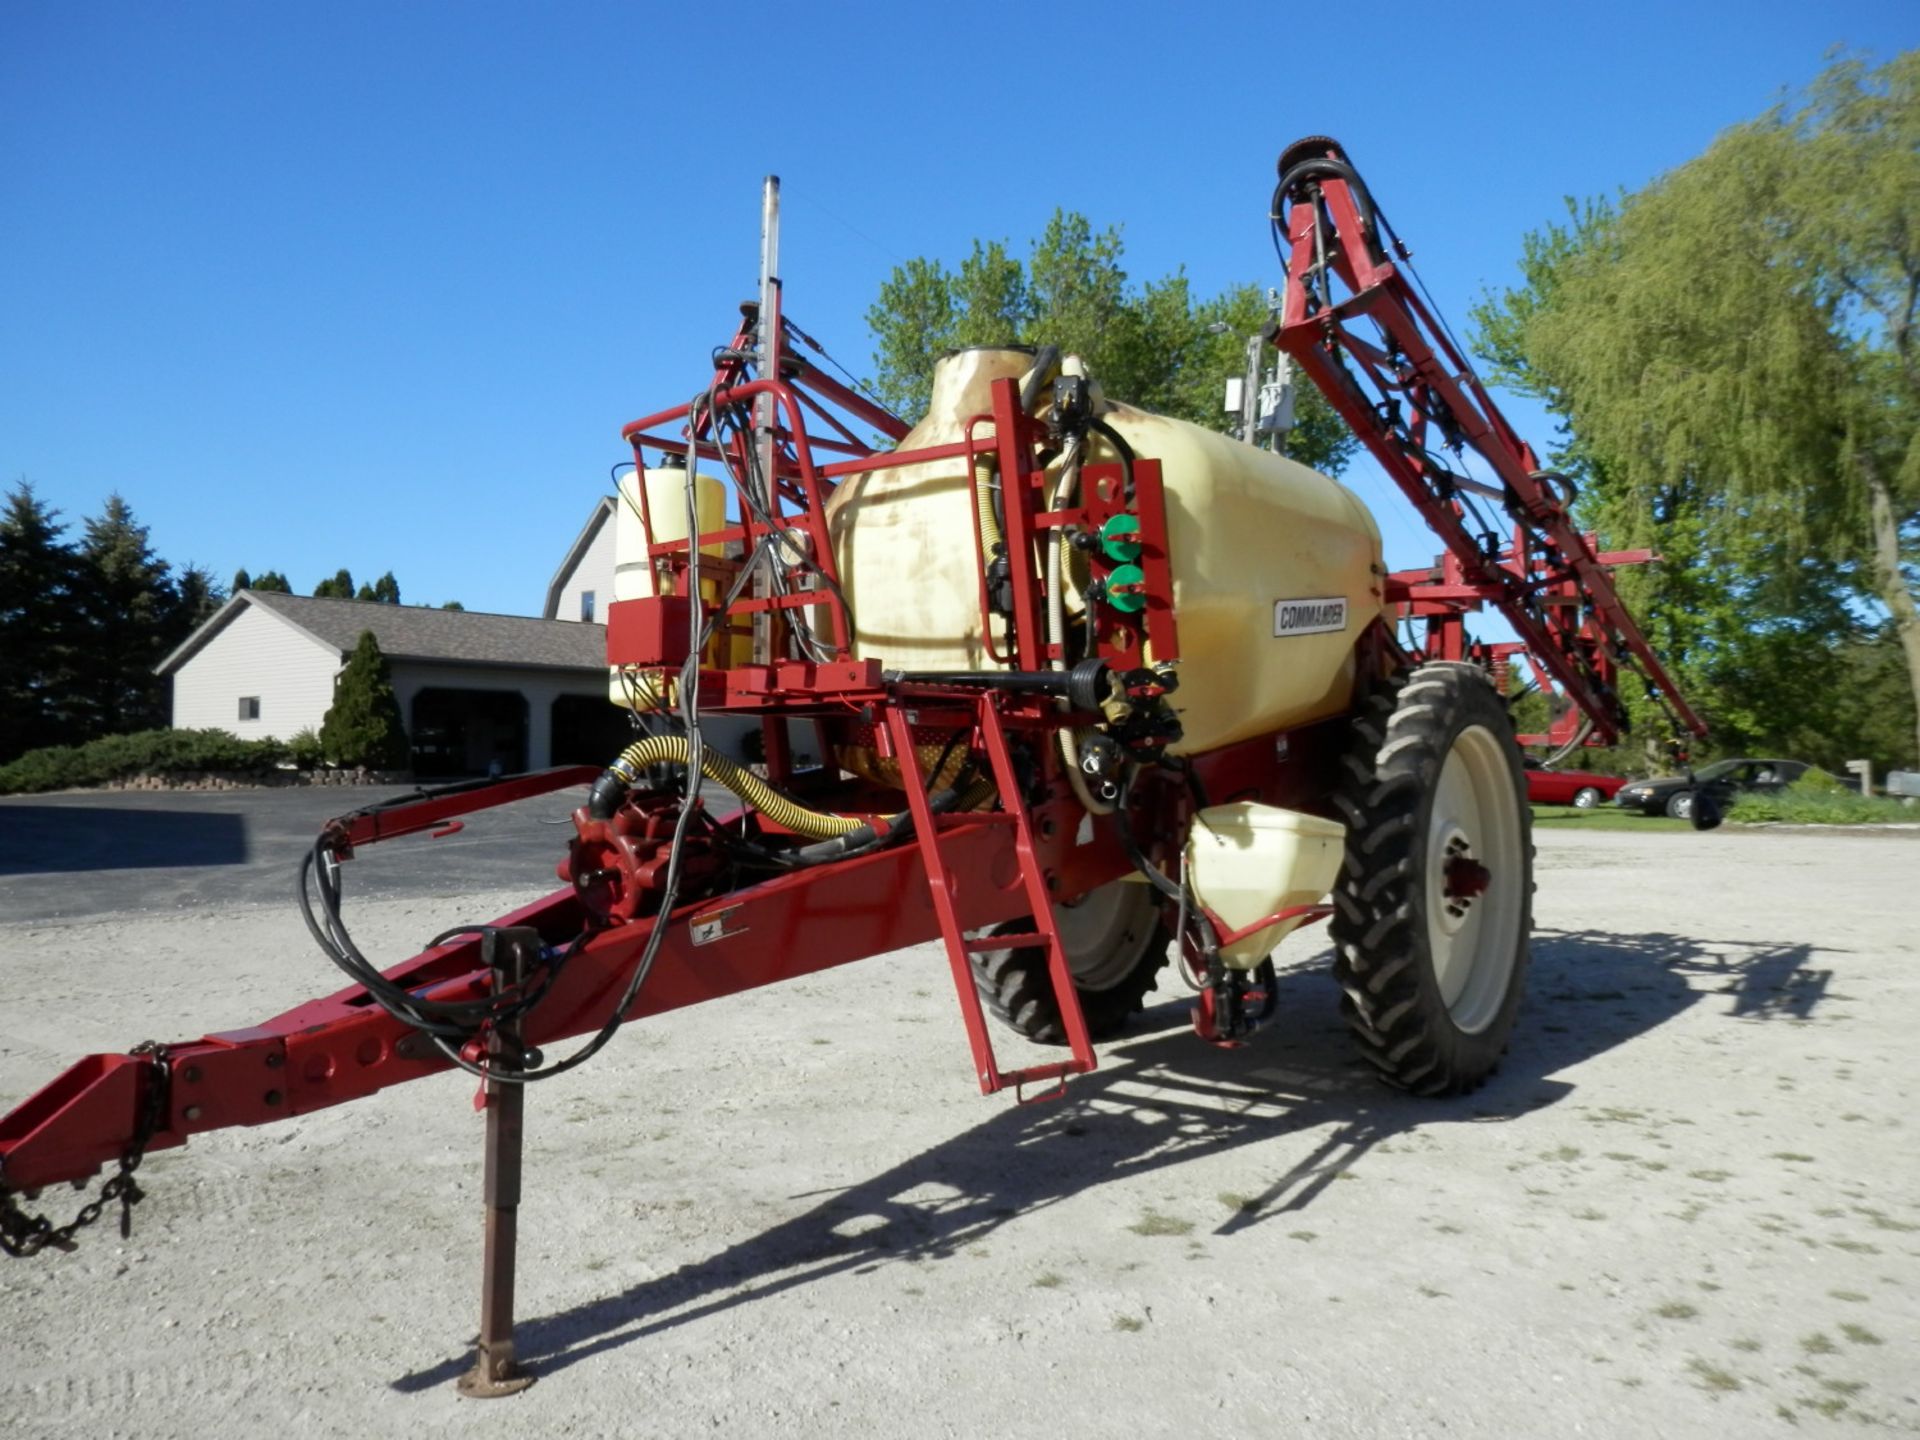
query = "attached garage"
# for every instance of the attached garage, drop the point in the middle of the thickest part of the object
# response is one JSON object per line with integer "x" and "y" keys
{"x": 467, "y": 732}
{"x": 475, "y": 690}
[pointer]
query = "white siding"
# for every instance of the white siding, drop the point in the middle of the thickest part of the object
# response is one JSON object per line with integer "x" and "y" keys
{"x": 593, "y": 574}
{"x": 256, "y": 653}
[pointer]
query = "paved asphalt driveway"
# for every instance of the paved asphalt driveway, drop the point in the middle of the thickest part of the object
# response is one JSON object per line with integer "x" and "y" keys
{"x": 110, "y": 852}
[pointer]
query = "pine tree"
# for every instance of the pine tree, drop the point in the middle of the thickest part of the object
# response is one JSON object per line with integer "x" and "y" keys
{"x": 271, "y": 581}
{"x": 340, "y": 587}
{"x": 196, "y": 595}
{"x": 123, "y": 601}
{"x": 386, "y": 589}
{"x": 37, "y": 631}
{"x": 363, "y": 725}
{"x": 241, "y": 581}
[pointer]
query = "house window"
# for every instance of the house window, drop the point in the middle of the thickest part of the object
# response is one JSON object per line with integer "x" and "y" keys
{"x": 586, "y": 606}
{"x": 249, "y": 707}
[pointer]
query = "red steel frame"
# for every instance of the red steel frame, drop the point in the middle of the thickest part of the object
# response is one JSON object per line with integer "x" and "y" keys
{"x": 973, "y": 870}
{"x": 1354, "y": 323}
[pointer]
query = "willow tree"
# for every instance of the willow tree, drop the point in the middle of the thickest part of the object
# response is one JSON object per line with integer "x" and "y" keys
{"x": 1156, "y": 344}
{"x": 1733, "y": 348}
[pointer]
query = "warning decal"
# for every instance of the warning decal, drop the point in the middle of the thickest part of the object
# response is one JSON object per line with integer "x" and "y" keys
{"x": 713, "y": 926}
{"x": 1309, "y": 617}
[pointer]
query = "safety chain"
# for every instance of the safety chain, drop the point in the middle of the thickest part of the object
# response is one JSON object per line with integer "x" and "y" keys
{"x": 22, "y": 1234}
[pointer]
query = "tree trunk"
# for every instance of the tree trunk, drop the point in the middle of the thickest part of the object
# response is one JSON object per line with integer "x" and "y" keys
{"x": 1893, "y": 585}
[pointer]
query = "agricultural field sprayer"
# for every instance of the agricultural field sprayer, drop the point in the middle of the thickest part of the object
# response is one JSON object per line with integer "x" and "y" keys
{"x": 1091, "y": 689}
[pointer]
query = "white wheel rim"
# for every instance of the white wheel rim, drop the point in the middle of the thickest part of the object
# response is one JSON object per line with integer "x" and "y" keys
{"x": 1105, "y": 932}
{"x": 1475, "y": 871}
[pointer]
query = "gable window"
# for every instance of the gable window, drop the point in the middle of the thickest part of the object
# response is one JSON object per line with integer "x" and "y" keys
{"x": 249, "y": 707}
{"x": 586, "y": 606}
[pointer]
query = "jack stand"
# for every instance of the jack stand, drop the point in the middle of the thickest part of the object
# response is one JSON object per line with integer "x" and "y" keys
{"x": 495, "y": 1372}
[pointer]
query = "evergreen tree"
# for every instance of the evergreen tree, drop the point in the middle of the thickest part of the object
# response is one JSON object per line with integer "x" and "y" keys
{"x": 37, "y": 632}
{"x": 453, "y": 605}
{"x": 196, "y": 596}
{"x": 386, "y": 589}
{"x": 365, "y": 592}
{"x": 241, "y": 581}
{"x": 340, "y": 587}
{"x": 123, "y": 602}
{"x": 272, "y": 581}
{"x": 363, "y": 725}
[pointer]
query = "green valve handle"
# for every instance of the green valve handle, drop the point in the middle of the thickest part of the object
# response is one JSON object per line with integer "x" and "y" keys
{"x": 1120, "y": 538}
{"x": 1127, "y": 588}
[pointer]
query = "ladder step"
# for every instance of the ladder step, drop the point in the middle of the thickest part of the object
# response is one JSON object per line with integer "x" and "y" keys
{"x": 1059, "y": 1070}
{"x": 1004, "y": 942}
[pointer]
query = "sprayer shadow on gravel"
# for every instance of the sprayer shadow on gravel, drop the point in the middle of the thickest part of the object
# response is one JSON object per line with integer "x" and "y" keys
{"x": 1163, "y": 1098}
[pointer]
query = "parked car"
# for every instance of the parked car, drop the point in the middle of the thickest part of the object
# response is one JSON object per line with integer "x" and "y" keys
{"x": 1674, "y": 794}
{"x": 1581, "y": 789}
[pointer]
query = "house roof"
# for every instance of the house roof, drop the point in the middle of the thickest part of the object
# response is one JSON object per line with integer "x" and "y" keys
{"x": 581, "y": 544}
{"x": 410, "y": 632}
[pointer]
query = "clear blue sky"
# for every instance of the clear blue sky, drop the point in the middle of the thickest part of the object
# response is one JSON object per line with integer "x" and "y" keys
{"x": 375, "y": 285}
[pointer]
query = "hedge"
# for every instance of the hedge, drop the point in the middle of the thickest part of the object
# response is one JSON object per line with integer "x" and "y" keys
{"x": 148, "y": 752}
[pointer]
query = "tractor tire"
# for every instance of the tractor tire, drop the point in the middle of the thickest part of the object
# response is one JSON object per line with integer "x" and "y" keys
{"x": 1433, "y": 908}
{"x": 1587, "y": 798}
{"x": 1680, "y": 807}
{"x": 1116, "y": 946}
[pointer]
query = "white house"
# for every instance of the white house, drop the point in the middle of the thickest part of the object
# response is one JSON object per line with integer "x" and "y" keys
{"x": 582, "y": 587}
{"x": 474, "y": 689}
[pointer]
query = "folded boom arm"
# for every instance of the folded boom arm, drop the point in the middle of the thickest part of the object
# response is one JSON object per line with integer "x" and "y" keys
{"x": 1353, "y": 321}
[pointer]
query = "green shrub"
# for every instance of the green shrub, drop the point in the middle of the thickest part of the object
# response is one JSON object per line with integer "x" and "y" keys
{"x": 148, "y": 752}
{"x": 1820, "y": 783}
{"x": 363, "y": 725}
{"x": 304, "y": 749}
{"x": 1817, "y": 798}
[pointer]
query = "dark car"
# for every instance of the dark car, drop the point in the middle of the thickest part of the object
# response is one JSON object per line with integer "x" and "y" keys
{"x": 1582, "y": 789}
{"x": 1674, "y": 794}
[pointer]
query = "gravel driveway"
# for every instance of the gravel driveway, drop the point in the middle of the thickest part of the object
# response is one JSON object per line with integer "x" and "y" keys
{"x": 1688, "y": 1206}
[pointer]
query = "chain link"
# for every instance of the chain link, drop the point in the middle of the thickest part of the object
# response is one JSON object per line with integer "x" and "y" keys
{"x": 22, "y": 1234}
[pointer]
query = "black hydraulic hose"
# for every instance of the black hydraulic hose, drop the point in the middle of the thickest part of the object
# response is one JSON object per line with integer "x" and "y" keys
{"x": 1316, "y": 167}
{"x": 1084, "y": 686}
{"x": 1124, "y": 829}
{"x": 1125, "y": 451}
{"x": 866, "y": 837}
{"x": 1046, "y": 361}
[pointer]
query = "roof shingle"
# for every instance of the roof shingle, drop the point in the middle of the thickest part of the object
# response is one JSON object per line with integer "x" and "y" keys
{"x": 411, "y": 632}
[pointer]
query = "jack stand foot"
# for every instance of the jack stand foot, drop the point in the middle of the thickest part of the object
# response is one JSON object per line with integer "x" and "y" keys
{"x": 495, "y": 1372}
{"x": 481, "y": 1383}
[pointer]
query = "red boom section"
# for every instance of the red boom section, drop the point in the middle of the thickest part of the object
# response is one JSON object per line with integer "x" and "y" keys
{"x": 1352, "y": 320}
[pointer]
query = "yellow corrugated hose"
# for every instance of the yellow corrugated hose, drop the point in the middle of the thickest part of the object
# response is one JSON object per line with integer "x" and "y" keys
{"x": 787, "y": 813}
{"x": 644, "y": 690}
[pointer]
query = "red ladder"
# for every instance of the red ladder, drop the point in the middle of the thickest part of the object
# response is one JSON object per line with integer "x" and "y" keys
{"x": 960, "y": 947}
